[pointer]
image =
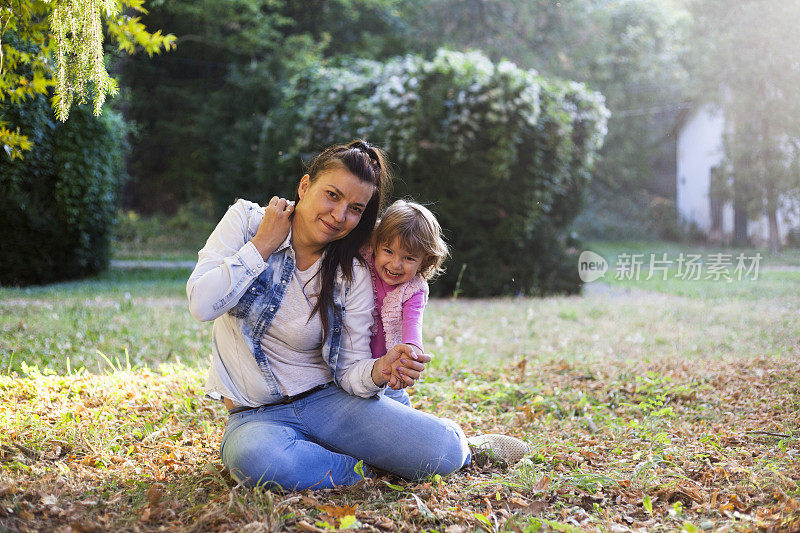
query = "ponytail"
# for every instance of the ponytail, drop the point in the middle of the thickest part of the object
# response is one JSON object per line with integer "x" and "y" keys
{"x": 370, "y": 165}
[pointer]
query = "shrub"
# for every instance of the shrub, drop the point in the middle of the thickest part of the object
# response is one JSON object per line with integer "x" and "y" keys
{"x": 502, "y": 155}
{"x": 57, "y": 205}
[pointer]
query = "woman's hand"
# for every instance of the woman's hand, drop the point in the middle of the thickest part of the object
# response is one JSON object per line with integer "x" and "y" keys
{"x": 274, "y": 226}
{"x": 397, "y": 380}
{"x": 400, "y": 367}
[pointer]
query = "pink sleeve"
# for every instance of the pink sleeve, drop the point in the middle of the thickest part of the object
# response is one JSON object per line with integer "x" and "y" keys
{"x": 412, "y": 319}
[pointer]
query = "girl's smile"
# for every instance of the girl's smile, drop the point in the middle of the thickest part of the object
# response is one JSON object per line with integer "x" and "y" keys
{"x": 394, "y": 264}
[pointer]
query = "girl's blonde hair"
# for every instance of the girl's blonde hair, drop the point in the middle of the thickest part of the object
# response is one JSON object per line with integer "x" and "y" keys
{"x": 419, "y": 233}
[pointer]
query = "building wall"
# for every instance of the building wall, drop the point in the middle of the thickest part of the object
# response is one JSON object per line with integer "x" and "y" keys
{"x": 699, "y": 150}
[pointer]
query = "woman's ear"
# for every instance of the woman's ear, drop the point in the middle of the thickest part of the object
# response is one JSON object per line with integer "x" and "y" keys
{"x": 305, "y": 183}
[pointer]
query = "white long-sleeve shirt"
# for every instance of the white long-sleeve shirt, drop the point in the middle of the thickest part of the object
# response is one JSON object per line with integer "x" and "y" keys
{"x": 226, "y": 267}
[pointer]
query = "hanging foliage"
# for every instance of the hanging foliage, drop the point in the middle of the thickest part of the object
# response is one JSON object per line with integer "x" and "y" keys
{"x": 78, "y": 33}
{"x": 46, "y": 45}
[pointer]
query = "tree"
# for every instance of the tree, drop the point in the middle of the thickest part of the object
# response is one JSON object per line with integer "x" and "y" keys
{"x": 202, "y": 106}
{"x": 62, "y": 195}
{"x": 58, "y": 45}
{"x": 629, "y": 50}
{"x": 747, "y": 61}
{"x": 502, "y": 154}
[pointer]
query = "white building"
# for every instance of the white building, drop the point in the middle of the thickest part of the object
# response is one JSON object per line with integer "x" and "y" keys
{"x": 699, "y": 155}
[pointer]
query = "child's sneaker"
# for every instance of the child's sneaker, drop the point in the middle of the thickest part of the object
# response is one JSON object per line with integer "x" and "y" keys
{"x": 497, "y": 447}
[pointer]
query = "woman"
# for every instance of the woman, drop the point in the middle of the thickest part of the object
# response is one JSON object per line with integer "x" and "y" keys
{"x": 292, "y": 309}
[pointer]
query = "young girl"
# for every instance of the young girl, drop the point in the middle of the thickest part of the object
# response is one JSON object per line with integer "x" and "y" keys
{"x": 407, "y": 250}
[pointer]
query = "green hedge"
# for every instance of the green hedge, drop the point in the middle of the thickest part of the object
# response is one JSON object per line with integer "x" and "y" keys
{"x": 502, "y": 155}
{"x": 57, "y": 205}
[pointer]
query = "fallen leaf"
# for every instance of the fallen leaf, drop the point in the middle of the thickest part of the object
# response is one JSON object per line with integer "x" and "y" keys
{"x": 349, "y": 522}
{"x": 83, "y": 527}
{"x": 541, "y": 484}
{"x": 423, "y": 509}
{"x": 534, "y": 507}
{"x": 489, "y": 509}
{"x": 302, "y": 525}
{"x": 154, "y": 495}
{"x": 338, "y": 512}
{"x": 518, "y": 502}
{"x": 386, "y": 523}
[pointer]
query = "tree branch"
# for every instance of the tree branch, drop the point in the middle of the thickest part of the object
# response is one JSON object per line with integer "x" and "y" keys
{"x": 769, "y": 433}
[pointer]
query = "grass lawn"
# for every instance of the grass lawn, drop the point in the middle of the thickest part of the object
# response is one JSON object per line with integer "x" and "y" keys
{"x": 651, "y": 405}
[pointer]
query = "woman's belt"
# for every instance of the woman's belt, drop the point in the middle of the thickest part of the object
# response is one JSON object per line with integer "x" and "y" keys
{"x": 284, "y": 401}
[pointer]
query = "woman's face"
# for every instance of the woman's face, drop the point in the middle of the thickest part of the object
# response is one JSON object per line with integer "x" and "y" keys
{"x": 330, "y": 207}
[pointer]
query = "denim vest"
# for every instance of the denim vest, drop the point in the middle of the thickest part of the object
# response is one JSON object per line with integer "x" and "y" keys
{"x": 262, "y": 300}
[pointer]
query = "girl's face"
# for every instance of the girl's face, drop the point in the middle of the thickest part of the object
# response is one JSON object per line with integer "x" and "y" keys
{"x": 394, "y": 264}
{"x": 330, "y": 207}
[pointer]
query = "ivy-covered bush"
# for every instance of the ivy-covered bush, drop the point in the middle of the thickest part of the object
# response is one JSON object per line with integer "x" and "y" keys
{"x": 500, "y": 154}
{"x": 58, "y": 204}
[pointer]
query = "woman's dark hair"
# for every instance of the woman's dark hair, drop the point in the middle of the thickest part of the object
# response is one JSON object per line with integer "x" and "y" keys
{"x": 369, "y": 164}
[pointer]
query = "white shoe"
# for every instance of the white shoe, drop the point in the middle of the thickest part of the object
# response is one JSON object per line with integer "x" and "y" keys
{"x": 498, "y": 447}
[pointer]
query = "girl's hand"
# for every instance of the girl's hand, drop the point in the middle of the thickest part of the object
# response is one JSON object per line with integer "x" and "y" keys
{"x": 400, "y": 367}
{"x": 397, "y": 380}
{"x": 274, "y": 226}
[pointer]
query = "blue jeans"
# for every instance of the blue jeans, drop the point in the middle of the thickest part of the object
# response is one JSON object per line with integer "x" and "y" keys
{"x": 316, "y": 441}
{"x": 398, "y": 395}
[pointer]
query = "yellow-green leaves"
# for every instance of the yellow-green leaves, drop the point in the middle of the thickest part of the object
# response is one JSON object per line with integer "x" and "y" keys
{"x": 14, "y": 143}
{"x": 77, "y": 28}
{"x": 647, "y": 503}
{"x": 46, "y": 44}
